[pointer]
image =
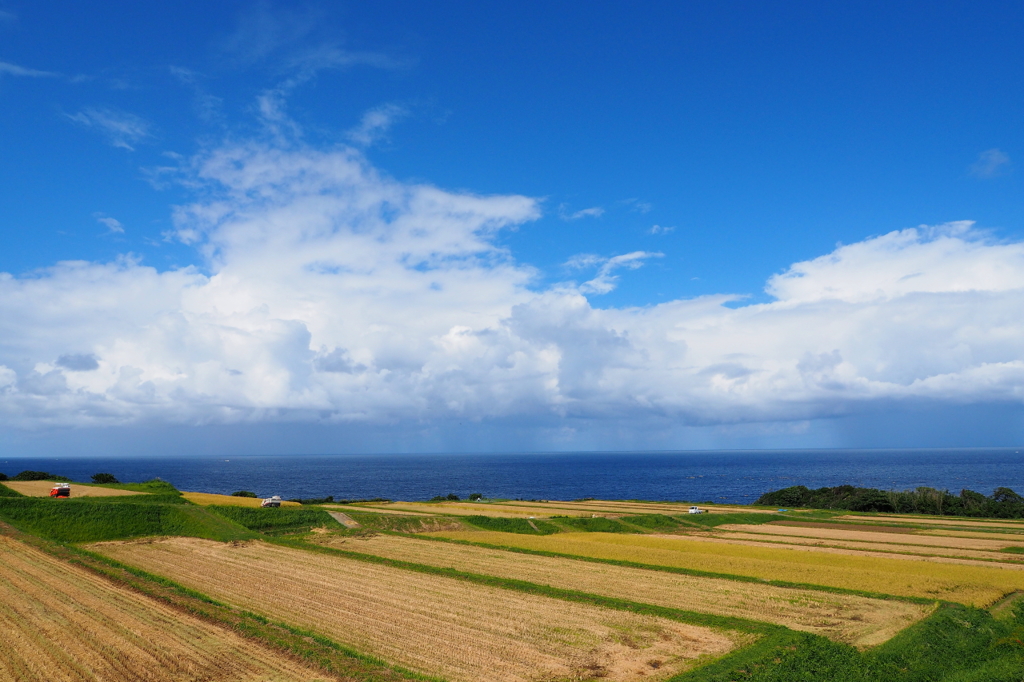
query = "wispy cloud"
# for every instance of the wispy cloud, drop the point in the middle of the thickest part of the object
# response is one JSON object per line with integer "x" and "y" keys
{"x": 375, "y": 124}
{"x": 121, "y": 128}
{"x": 16, "y": 70}
{"x": 661, "y": 229}
{"x": 7, "y": 17}
{"x": 208, "y": 107}
{"x": 593, "y": 212}
{"x": 113, "y": 225}
{"x": 605, "y": 281}
{"x": 991, "y": 163}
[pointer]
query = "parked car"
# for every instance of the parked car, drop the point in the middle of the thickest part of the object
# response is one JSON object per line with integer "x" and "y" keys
{"x": 696, "y": 510}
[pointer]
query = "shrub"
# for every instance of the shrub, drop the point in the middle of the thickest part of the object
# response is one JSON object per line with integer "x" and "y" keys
{"x": 3, "y": 477}
{"x": 104, "y": 478}
{"x": 243, "y": 493}
{"x": 475, "y": 496}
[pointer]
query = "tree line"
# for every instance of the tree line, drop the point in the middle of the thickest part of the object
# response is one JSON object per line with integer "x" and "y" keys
{"x": 1003, "y": 503}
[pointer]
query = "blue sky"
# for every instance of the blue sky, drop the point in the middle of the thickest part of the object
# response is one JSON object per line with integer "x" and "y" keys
{"x": 573, "y": 201}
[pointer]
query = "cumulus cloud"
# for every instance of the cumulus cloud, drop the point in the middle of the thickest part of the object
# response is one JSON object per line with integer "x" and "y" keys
{"x": 991, "y": 163}
{"x": 121, "y": 128}
{"x": 331, "y": 293}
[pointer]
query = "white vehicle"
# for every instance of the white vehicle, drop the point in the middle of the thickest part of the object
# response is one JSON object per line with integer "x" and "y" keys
{"x": 696, "y": 510}
{"x": 274, "y": 501}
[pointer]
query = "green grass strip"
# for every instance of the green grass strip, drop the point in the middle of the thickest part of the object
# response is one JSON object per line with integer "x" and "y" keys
{"x": 678, "y": 570}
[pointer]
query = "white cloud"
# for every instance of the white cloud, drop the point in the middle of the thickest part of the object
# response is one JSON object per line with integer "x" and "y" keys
{"x": 594, "y": 212}
{"x": 121, "y": 128}
{"x": 991, "y": 163}
{"x": 606, "y": 281}
{"x": 375, "y": 124}
{"x": 333, "y": 294}
{"x": 660, "y": 229}
{"x": 113, "y": 225}
{"x": 15, "y": 70}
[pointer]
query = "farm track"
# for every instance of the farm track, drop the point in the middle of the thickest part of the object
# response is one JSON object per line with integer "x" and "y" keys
{"x": 966, "y": 584}
{"x": 63, "y": 623}
{"x": 436, "y": 625}
{"x": 856, "y": 620}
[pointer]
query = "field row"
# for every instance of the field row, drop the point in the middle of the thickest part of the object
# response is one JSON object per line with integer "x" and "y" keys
{"x": 973, "y": 585}
{"x": 60, "y": 622}
{"x": 431, "y": 624}
{"x": 856, "y": 620}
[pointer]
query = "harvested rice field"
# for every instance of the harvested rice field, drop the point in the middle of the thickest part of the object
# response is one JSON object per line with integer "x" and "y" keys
{"x": 896, "y": 550}
{"x": 932, "y": 540}
{"x": 431, "y": 624}
{"x": 61, "y": 623}
{"x": 229, "y": 500}
{"x": 967, "y": 584}
{"x": 42, "y": 489}
{"x": 856, "y": 620}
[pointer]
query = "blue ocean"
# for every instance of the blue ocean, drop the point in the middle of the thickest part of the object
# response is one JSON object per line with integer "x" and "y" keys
{"x": 701, "y": 476}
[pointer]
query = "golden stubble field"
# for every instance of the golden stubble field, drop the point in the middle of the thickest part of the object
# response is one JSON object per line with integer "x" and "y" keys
{"x": 42, "y": 489}
{"x": 230, "y": 500}
{"x": 436, "y": 625}
{"x": 59, "y": 623}
{"x": 856, "y": 620}
{"x": 975, "y": 585}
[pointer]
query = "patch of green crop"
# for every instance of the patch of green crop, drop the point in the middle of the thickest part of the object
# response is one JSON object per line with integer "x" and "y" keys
{"x": 594, "y": 525}
{"x": 653, "y": 521}
{"x": 1013, "y": 550}
{"x": 88, "y": 520}
{"x": 522, "y": 526}
{"x": 276, "y": 520}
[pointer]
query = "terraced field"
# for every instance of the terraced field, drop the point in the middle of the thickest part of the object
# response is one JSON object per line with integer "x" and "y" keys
{"x": 431, "y": 624}
{"x": 42, "y": 489}
{"x": 975, "y": 585}
{"x": 517, "y": 508}
{"x": 62, "y": 623}
{"x": 857, "y": 620}
{"x": 229, "y": 500}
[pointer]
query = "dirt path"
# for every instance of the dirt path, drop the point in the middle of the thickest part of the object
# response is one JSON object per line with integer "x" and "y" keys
{"x": 344, "y": 519}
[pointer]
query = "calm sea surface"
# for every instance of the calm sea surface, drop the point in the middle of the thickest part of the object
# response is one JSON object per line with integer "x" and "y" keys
{"x": 719, "y": 476}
